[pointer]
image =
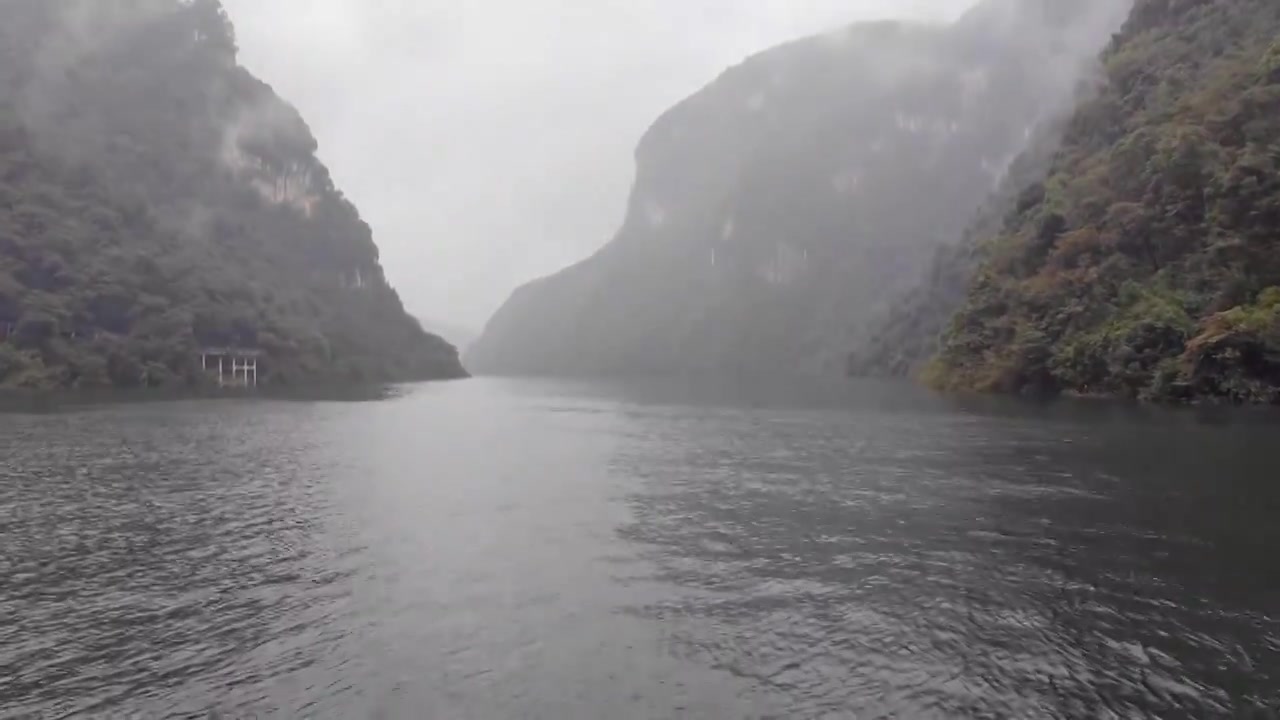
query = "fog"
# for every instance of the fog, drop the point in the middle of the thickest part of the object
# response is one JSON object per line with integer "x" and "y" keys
{"x": 489, "y": 142}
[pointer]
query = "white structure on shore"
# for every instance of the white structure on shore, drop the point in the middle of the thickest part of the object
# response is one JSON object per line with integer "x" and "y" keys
{"x": 236, "y": 367}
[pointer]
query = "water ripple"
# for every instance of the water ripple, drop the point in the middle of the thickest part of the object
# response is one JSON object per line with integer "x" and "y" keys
{"x": 517, "y": 549}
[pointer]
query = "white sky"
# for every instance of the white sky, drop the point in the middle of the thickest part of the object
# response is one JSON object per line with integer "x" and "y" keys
{"x": 489, "y": 142}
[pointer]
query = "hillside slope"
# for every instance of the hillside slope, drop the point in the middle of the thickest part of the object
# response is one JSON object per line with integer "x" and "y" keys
{"x": 156, "y": 198}
{"x": 1147, "y": 264}
{"x": 778, "y": 209}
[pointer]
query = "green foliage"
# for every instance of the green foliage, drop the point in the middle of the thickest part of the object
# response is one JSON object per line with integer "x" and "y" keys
{"x": 1236, "y": 353}
{"x": 1151, "y": 265}
{"x": 1127, "y": 349}
{"x": 156, "y": 198}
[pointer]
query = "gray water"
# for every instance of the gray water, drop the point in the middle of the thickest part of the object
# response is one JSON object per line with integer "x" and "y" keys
{"x": 534, "y": 549}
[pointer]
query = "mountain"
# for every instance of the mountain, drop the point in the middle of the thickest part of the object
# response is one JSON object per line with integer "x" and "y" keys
{"x": 1147, "y": 262}
{"x": 156, "y": 198}
{"x": 779, "y": 209}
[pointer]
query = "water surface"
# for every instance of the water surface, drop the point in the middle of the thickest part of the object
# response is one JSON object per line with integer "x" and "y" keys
{"x": 653, "y": 549}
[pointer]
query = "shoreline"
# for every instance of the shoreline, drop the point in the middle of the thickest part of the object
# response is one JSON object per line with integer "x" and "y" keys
{"x": 20, "y": 400}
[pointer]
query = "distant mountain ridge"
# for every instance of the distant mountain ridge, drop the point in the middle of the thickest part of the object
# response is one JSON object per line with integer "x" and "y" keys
{"x": 779, "y": 210}
{"x": 155, "y": 198}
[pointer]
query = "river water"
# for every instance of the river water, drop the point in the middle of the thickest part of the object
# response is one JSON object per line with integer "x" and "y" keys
{"x": 542, "y": 549}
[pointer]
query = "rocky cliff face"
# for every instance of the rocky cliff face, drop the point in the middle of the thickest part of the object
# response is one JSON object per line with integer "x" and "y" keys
{"x": 779, "y": 209}
{"x": 156, "y": 198}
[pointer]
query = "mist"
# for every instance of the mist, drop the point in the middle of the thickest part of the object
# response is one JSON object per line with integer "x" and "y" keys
{"x": 491, "y": 142}
{"x": 842, "y": 367}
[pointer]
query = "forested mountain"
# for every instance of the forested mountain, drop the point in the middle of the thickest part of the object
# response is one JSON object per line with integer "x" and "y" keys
{"x": 156, "y": 198}
{"x": 780, "y": 208}
{"x": 1147, "y": 263}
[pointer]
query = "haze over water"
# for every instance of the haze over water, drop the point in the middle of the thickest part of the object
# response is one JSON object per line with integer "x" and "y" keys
{"x": 649, "y": 549}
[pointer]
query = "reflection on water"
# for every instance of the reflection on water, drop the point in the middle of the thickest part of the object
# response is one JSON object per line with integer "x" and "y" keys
{"x": 497, "y": 549}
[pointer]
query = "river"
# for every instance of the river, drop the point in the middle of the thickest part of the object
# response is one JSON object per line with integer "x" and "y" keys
{"x": 497, "y": 549}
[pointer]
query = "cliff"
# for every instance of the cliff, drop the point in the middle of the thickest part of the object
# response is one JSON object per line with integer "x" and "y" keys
{"x": 780, "y": 209}
{"x": 156, "y": 198}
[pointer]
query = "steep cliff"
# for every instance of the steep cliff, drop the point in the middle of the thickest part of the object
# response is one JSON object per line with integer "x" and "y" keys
{"x": 156, "y": 198}
{"x": 780, "y": 208}
{"x": 1147, "y": 264}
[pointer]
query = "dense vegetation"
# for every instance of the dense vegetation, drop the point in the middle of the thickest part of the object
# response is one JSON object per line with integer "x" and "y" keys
{"x": 1147, "y": 263}
{"x": 779, "y": 209}
{"x": 155, "y": 198}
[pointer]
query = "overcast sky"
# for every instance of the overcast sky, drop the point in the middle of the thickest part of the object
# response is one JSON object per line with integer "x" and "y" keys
{"x": 489, "y": 142}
